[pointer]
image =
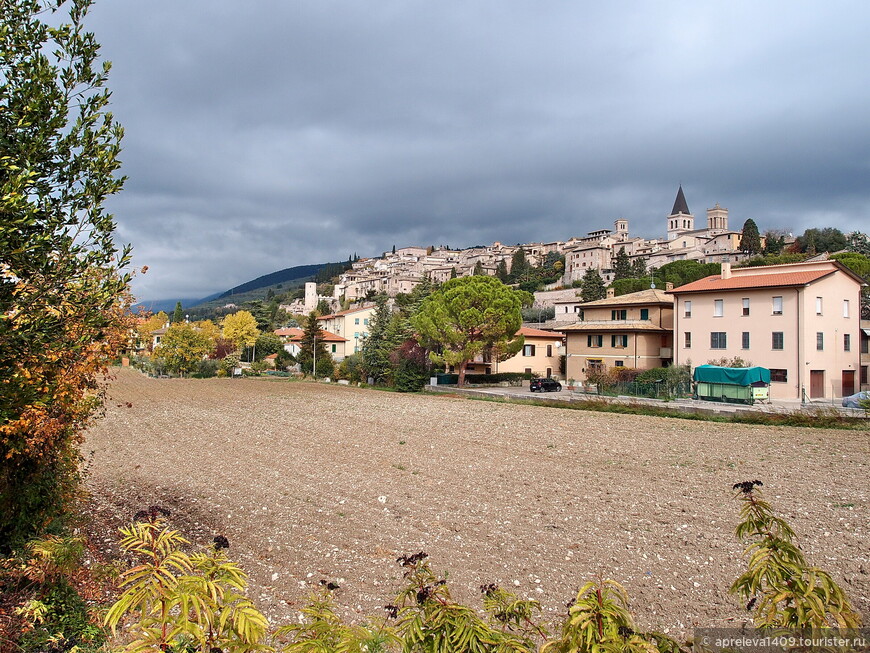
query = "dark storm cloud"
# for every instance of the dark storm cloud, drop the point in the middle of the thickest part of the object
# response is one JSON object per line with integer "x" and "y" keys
{"x": 268, "y": 134}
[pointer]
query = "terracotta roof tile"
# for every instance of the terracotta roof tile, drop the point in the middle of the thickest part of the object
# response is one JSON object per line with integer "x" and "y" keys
{"x": 538, "y": 333}
{"x": 774, "y": 280}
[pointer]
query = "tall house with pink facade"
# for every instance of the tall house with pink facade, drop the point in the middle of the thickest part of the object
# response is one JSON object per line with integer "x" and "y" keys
{"x": 800, "y": 320}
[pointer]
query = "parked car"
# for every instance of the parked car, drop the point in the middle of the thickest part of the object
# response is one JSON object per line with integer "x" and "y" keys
{"x": 545, "y": 385}
{"x": 852, "y": 400}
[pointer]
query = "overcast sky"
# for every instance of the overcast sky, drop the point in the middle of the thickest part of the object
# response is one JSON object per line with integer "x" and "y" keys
{"x": 271, "y": 133}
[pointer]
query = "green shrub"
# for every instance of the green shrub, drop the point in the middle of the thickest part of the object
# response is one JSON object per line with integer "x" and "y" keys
{"x": 206, "y": 369}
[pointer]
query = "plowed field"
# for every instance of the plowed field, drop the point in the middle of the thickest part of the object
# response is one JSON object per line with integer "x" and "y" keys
{"x": 314, "y": 482}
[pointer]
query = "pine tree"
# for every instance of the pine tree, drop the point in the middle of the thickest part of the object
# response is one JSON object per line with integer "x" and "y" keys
{"x": 501, "y": 270}
{"x": 622, "y": 265}
{"x": 519, "y": 264}
{"x": 178, "y": 313}
{"x": 376, "y": 347}
{"x": 312, "y": 349}
{"x": 478, "y": 268}
{"x": 638, "y": 268}
{"x": 592, "y": 287}
{"x": 750, "y": 241}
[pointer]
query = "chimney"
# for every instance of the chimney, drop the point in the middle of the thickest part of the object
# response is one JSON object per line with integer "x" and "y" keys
{"x": 669, "y": 286}
{"x": 726, "y": 271}
{"x": 611, "y": 293}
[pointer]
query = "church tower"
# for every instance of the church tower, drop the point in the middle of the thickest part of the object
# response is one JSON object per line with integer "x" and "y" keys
{"x": 680, "y": 220}
{"x": 717, "y": 219}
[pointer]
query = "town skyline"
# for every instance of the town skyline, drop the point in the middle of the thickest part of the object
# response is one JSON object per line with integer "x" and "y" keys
{"x": 264, "y": 136}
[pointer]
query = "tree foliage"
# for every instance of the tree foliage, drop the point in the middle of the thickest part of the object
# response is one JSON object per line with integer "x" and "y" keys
{"x": 592, "y": 286}
{"x": 828, "y": 239}
{"x": 750, "y": 239}
{"x": 62, "y": 279}
{"x": 313, "y": 357}
{"x": 182, "y": 348}
{"x": 241, "y": 329}
{"x": 468, "y": 316}
{"x": 622, "y": 265}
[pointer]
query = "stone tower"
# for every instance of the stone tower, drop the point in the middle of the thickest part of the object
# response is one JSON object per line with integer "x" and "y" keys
{"x": 621, "y": 228}
{"x": 717, "y": 219}
{"x": 680, "y": 220}
{"x": 310, "y": 296}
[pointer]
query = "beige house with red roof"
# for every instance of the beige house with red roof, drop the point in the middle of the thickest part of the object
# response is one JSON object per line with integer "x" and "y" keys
{"x": 634, "y": 330}
{"x": 292, "y": 337}
{"x": 800, "y": 320}
{"x": 352, "y": 325}
{"x": 540, "y": 356}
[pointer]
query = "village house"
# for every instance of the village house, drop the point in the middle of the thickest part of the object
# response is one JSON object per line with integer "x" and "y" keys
{"x": 292, "y": 338}
{"x": 540, "y": 356}
{"x": 352, "y": 325}
{"x": 633, "y": 331}
{"x": 800, "y": 320}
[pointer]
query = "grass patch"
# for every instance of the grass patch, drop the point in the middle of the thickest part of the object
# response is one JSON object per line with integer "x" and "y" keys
{"x": 820, "y": 418}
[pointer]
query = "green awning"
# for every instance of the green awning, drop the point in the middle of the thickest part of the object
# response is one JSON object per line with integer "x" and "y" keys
{"x": 731, "y": 375}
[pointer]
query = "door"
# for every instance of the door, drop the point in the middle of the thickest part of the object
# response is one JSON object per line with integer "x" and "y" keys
{"x": 817, "y": 384}
{"x": 848, "y": 382}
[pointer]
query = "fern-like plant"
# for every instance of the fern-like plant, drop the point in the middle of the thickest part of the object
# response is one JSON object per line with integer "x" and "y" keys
{"x": 599, "y": 621}
{"x": 322, "y": 630}
{"x": 430, "y": 621}
{"x": 783, "y": 589}
{"x": 181, "y": 601}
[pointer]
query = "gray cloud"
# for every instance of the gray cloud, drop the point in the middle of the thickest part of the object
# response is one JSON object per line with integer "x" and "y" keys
{"x": 270, "y": 134}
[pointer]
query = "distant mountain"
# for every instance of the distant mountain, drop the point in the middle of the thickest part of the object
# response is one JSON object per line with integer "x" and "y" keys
{"x": 166, "y": 305}
{"x": 281, "y": 276}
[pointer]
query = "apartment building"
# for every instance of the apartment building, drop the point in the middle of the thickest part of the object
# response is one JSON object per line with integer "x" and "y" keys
{"x": 800, "y": 320}
{"x": 633, "y": 330}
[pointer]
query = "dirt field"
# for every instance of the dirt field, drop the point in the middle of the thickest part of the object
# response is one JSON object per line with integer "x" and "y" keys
{"x": 314, "y": 482}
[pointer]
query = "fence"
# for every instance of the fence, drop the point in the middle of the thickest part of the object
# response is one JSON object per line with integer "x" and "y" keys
{"x": 654, "y": 390}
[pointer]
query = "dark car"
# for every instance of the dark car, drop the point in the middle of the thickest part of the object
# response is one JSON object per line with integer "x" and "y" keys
{"x": 545, "y": 385}
{"x": 852, "y": 400}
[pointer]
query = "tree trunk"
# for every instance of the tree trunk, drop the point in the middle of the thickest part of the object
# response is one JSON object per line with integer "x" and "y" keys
{"x": 462, "y": 367}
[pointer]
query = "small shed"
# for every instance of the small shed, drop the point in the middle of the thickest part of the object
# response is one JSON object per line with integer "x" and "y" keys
{"x": 744, "y": 385}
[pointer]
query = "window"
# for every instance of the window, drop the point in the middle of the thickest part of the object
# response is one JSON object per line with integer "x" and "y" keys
{"x": 778, "y": 376}
{"x": 687, "y": 305}
{"x": 845, "y": 308}
{"x": 744, "y": 341}
{"x": 528, "y": 350}
{"x": 746, "y": 305}
{"x": 777, "y": 305}
{"x": 818, "y": 305}
{"x": 356, "y": 335}
{"x": 847, "y": 342}
{"x": 618, "y": 314}
{"x": 356, "y": 320}
{"x": 619, "y": 342}
{"x": 820, "y": 341}
{"x": 594, "y": 341}
{"x": 863, "y": 375}
{"x": 644, "y": 314}
{"x": 365, "y": 321}
{"x": 718, "y": 340}
{"x": 688, "y": 340}
{"x": 549, "y": 350}
{"x": 334, "y": 348}
{"x": 777, "y": 340}
{"x": 618, "y": 363}
{"x": 718, "y": 307}
{"x": 865, "y": 346}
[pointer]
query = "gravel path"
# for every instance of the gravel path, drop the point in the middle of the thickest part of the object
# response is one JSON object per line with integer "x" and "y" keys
{"x": 313, "y": 482}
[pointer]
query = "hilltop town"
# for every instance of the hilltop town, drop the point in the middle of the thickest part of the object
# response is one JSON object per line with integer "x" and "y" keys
{"x": 400, "y": 270}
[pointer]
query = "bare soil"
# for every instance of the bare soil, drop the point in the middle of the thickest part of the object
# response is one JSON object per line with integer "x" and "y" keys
{"x": 314, "y": 482}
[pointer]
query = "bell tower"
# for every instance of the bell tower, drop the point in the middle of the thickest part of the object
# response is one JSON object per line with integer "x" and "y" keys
{"x": 680, "y": 220}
